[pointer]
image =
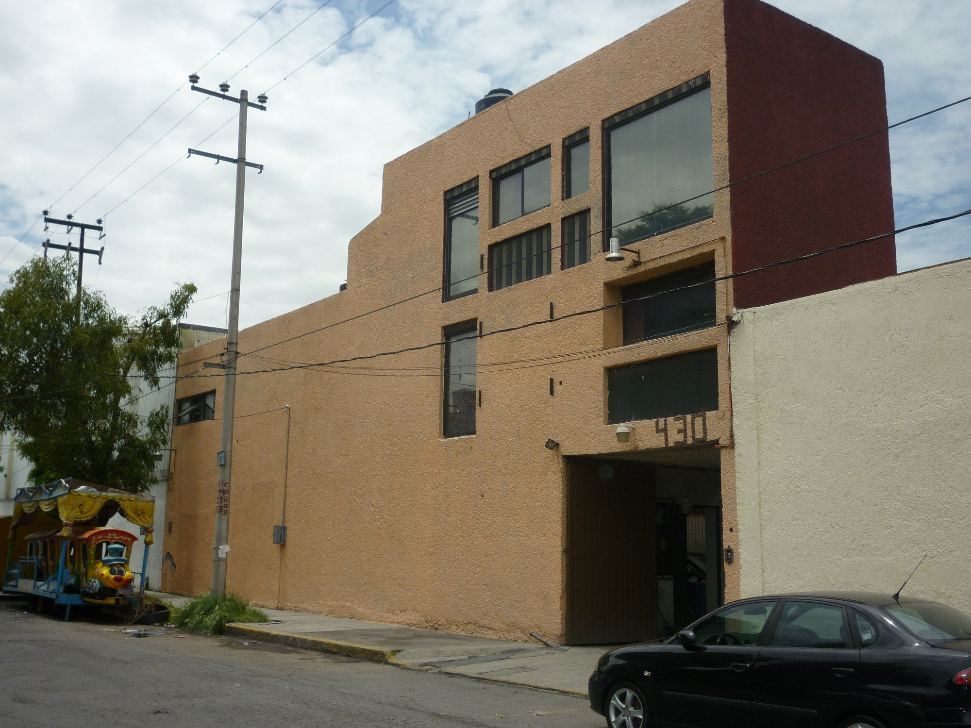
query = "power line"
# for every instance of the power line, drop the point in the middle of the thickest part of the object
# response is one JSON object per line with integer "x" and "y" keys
{"x": 590, "y": 235}
{"x": 598, "y": 309}
{"x": 265, "y": 50}
{"x": 238, "y": 37}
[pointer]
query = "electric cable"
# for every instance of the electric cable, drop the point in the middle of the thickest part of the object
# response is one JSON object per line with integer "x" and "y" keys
{"x": 590, "y": 235}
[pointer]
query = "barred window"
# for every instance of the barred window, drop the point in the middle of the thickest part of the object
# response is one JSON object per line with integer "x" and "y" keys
{"x": 576, "y": 239}
{"x": 519, "y": 259}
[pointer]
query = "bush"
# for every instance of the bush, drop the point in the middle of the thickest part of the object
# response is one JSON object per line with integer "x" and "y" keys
{"x": 209, "y": 615}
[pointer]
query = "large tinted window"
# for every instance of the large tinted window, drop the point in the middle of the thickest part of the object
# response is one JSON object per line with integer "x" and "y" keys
{"x": 521, "y": 258}
{"x": 658, "y": 161}
{"x": 460, "y": 346}
{"x": 521, "y": 187}
{"x": 676, "y": 385}
{"x": 462, "y": 240}
{"x": 811, "y": 624}
{"x": 738, "y": 625}
{"x": 670, "y": 304}
{"x": 932, "y": 622}
{"x": 195, "y": 409}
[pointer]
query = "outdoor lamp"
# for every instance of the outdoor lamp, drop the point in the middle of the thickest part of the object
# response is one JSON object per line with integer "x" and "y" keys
{"x": 614, "y": 255}
{"x": 623, "y": 433}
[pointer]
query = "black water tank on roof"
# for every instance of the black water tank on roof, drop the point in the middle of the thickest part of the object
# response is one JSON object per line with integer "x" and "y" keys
{"x": 492, "y": 98}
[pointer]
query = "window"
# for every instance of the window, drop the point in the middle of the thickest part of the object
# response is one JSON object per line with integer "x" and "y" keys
{"x": 521, "y": 187}
{"x": 669, "y": 304}
{"x": 868, "y": 630}
{"x": 811, "y": 625}
{"x": 684, "y": 384}
{"x": 519, "y": 259}
{"x": 462, "y": 240}
{"x": 739, "y": 625}
{"x": 576, "y": 164}
{"x": 576, "y": 239}
{"x": 659, "y": 163}
{"x": 196, "y": 409}
{"x": 931, "y": 621}
{"x": 460, "y": 342}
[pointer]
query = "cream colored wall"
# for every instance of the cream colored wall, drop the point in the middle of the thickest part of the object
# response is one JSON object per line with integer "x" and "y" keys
{"x": 853, "y": 438}
{"x": 386, "y": 519}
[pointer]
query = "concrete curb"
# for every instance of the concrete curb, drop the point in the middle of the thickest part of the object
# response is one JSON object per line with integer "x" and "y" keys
{"x": 347, "y": 649}
{"x": 374, "y": 654}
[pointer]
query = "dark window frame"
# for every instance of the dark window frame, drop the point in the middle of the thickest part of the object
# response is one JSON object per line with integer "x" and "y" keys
{"x": 459, "y": 191}
{"x": 547, "y": 262}
{"x": 655, "y": 103}
{"x": 448, "y": 333}
{"x": 518, "y": 166}
{"x": 684, "y": 384}
{"x": 197, "y": 404}
{"x": 682, "y": 284}
{"x": 569, "y": 144}
{"x": 564, "y": 243}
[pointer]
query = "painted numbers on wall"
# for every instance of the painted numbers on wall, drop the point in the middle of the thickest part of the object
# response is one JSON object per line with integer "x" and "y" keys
{"x": 683, "y": 429}
{"x": 222, "y": 499}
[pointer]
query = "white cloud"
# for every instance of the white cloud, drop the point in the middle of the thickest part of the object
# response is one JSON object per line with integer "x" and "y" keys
{"x": 78, "y": 77}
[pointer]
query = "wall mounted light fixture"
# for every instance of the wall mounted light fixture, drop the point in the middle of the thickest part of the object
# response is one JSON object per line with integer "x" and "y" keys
{"x": 623, "y": 432}
{"x": 615, "y": 256}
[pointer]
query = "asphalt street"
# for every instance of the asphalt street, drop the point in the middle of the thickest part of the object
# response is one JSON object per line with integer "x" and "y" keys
{"x": 90, "y": 672}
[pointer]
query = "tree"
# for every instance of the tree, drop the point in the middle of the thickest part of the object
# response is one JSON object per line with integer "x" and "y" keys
{"x": 67, "y": 369}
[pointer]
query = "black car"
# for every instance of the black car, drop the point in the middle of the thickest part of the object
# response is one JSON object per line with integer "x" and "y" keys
{"x": 836, "y": 660}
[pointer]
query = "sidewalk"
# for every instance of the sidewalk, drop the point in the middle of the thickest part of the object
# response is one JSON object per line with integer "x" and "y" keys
{"x": 563, "y": 669}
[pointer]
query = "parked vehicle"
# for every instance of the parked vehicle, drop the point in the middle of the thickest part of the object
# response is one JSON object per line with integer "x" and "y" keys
{"x": 835, "y": 660}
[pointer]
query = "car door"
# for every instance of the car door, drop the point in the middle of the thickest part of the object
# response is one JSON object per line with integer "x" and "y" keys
{"x": 808, "y": 668}
{"x": 705, "y": 684}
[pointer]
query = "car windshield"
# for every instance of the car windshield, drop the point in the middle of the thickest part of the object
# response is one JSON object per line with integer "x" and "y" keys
{"x": 931, "y": 621}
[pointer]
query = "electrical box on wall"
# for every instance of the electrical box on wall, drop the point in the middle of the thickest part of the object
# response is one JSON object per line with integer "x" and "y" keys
{"x": 280, "y": 535}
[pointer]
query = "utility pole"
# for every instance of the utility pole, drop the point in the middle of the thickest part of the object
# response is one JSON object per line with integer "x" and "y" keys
{"x": 82, "y": 251}
{"x": 220, "y": 546}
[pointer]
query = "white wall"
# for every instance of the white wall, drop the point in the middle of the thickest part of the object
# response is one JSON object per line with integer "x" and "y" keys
{"x": 853, "y": 438}
{"x": 14, "y": 475}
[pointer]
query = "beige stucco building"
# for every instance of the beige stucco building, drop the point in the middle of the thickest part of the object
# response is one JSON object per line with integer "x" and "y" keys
{"x": 852, "y": 438}
{"x": 475, "y": 480}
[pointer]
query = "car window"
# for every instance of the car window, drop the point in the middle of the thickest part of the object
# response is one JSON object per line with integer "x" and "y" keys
{"x": 737, "y": 625}
{"x": 811, "y": 625}
{"x": 868, "y": 630}
{"x": 931, "y": 621}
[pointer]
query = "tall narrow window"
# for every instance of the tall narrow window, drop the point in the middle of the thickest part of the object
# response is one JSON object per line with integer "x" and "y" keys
{"x": 669, "y": 304}
{"x": 576, "y": 164}
{"x": 519, "y": 259}
{"x": 462, "y": 240}
{"x": 521, "y": 186}
{"x": 576, "y": 239}
{"x": 460, "y": 344}
{"x": 659, "y": 163}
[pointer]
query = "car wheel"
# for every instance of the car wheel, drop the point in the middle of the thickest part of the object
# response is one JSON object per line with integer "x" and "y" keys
{"x": 626, "y": 707}
{"x": 861, "y": 722}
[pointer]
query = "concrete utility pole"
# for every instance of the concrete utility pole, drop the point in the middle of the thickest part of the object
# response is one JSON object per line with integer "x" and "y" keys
{"x": 81, "y": 250}
{"x": 220, "y": 546}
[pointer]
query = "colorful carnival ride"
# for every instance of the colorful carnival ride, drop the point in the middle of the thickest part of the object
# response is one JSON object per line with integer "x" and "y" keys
{"x": 81, "y": 561}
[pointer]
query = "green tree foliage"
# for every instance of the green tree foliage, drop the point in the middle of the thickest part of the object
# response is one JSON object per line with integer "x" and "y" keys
{"x": 67, "y": 375}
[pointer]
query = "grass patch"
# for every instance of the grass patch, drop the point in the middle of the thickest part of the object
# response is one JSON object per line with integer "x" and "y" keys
{"x": 210, "y": 615}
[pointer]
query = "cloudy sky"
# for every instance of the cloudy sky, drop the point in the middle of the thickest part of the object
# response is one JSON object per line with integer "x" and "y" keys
{"x": 77, "y": 78}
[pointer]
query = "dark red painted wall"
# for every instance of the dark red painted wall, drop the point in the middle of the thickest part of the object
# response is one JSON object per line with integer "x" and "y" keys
{"x": 794, "y": 90}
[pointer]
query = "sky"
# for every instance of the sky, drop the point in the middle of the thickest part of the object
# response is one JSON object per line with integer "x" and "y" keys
{"x": 77, "y": 78}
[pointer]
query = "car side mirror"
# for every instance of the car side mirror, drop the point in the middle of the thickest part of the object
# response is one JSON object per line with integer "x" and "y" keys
{"x": 687, "y": 637}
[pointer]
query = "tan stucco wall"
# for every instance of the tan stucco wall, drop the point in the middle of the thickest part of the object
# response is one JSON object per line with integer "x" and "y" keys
{"x": 853, "y": 438}
{"x": 386, "y": 519}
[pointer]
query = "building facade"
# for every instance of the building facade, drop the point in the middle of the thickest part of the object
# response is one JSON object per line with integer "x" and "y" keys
{"x": 495, "y": 428}
{"x": 852, "y": 438}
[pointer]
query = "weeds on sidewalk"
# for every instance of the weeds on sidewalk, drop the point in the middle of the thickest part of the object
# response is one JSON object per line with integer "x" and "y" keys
{"x": 209, "y": 615}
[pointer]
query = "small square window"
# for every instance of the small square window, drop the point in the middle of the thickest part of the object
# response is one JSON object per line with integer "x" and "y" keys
{"x": 519, "y": 259}
{"x": 521, "y": 187}
{"x": 196, "y": 408}
{"x": 576, "y": 164}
